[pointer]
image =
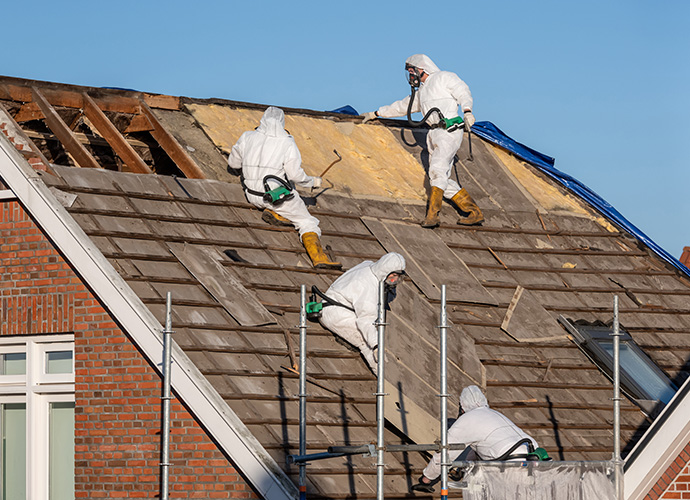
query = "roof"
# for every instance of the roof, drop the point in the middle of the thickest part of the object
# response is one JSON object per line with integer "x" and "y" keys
{"x": 542, "y": 252}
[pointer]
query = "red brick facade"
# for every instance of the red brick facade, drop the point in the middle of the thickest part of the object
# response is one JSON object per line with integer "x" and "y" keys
{"x": 117, "y": 392}
{"x": 675, "y": 481}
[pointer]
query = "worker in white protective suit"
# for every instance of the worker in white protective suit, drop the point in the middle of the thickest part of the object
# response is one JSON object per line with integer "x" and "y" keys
{"x": 490, "y": 434}
{"x": 444, "y": 91}
{"x": 271, "y": 151}
{"x": 356, "y": 295}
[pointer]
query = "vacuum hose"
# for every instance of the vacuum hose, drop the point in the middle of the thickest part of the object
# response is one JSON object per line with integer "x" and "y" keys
{"x": 428, "y": 113}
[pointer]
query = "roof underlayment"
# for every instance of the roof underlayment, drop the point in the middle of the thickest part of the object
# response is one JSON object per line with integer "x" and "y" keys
{"x": 542, "y": 252}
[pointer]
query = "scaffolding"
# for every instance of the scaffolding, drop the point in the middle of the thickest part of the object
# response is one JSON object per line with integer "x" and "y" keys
{"x": 481, "y": 480}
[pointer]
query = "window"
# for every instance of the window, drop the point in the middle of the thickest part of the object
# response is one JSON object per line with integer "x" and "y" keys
{"x": 37, "y": 417}
{"x": 641, "y": 379}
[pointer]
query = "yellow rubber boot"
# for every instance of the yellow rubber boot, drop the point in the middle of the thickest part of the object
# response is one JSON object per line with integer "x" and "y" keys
{"x": 466, "y": 204}
{"x": 315, "y": 251}
{"x": 435, "y": 200}
{"x": 275, "y": 219}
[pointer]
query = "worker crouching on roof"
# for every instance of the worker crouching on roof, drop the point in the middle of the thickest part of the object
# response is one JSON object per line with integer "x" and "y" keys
{"x": 271, "y": 151}
{"x": 490, "y": 434}
{"x": 357, "y": 289}
{"x": 444, "y": 91}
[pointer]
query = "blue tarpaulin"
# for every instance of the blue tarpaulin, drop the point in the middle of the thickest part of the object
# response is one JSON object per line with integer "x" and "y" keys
{"x": 345, "y": 110}
{"x": 493, "y": 134}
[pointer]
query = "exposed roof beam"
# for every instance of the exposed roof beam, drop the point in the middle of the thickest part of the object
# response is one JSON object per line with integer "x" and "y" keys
{"x": 119, "y": 144}
{"x": 93, "y": 140}
{"x": 173, "y": 148}
{"x": 62, "y": 131}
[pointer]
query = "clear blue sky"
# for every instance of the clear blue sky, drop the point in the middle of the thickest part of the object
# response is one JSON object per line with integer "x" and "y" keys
{"x": 603, "y": 86}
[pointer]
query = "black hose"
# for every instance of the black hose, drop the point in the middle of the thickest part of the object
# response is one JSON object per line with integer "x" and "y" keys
{"x": 327, "y": 299}
{"x": 428, "y": 113}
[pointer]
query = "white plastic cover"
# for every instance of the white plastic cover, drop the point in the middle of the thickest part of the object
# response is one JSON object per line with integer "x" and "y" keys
{"x": 538, "y": 480}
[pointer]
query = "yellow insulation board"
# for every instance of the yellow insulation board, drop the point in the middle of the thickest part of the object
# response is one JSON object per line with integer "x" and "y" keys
{"x": 546, "y": 194}
{"x": 374, "y": 163}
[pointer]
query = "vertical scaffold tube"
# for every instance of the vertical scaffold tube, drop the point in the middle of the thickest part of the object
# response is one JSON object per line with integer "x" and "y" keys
{"x": 381, "y": 329}
{"x": 165, "y": 399}
{"x": 443, "y": 327}
{"x": 303, "y": 391}
{"x": 617, "y": 402}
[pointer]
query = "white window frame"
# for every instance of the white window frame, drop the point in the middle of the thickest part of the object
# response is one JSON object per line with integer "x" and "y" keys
{"x": 19, "y": 380}
{"x": 38, "y": 390}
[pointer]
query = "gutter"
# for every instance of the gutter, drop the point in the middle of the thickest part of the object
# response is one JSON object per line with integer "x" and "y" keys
{"x": 234, "y": 438}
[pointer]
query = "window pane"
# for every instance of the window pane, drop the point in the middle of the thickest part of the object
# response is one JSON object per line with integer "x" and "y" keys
{"x": 637, "y": 368}
{"x": 13, "y": 422}
{"x": 61, "y": 450}
{"x": 13, "y": 363}
{"x": 59, "y": 362}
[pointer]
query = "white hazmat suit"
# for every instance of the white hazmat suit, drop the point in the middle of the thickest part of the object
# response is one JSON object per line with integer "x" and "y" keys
{"x": 358, "y": 288}
{"x": 270, "y": 150}
{"x": 446, "y": 91}
{"x": 488, "y": 432}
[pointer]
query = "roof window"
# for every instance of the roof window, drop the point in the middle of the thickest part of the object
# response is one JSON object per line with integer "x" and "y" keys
{"x": 641, "y": 379}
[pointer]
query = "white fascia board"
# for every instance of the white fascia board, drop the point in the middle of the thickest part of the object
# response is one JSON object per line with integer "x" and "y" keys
{"x": 659, "y": 446}
{"x": 227, "y": 429}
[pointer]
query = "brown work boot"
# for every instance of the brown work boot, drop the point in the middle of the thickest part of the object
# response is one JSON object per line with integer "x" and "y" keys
{"x": 434, "y": 207}
{"x": 318, "y": 257}
{"x": 275, "y": 219}
{"x": 466, "y": 204}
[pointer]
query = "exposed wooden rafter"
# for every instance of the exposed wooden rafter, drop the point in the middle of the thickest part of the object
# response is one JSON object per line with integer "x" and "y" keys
{"x": 110, "y": 133}
{"x": 57, "y": 125}
{"x": 173, "y": 148}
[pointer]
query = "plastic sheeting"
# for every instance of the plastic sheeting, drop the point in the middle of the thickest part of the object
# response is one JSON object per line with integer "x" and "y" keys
{"x": 539, "y": 480}
{"x": 345, "y": 110}
{"x": 493, "y": 134}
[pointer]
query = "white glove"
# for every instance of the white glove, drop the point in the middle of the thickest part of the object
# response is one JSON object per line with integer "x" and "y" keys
{"x": 469, "y": 120}
{"x": 371, "y": 115}
{"x": 316, "y": 182}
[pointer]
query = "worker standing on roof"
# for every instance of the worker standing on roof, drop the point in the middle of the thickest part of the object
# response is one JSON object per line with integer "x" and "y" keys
{"x": 490, "y": 434}
{"x": 443, "y": 91}
{"x": 270, "y": 163}
{"x": 355, "y": 308}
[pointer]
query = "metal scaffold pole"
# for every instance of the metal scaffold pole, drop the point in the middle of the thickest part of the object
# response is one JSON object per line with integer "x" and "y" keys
{"x": 617, "y": 403}
{"x": 303, "y": 391}
{"x": 165, "y": 398}
{"x": 444, "y": 395}
{"x": 380, "y": 445}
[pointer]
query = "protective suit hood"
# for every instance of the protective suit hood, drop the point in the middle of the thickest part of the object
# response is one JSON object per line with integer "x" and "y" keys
{"x": 472, "y": 397}
{"x": 273, "y": 122}
{"x": 389, "y": 263}
{"x": 424, "y": 62}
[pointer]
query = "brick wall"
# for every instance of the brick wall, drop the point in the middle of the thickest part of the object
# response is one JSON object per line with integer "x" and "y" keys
{"x": 675, "y": 481}
{"x": 117, "y": 392}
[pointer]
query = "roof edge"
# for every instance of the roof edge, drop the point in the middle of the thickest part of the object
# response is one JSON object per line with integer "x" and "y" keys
{"x": 545, "y": 164}
{"x": 659, "y": 446}
{"x": 220, "y": 421}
